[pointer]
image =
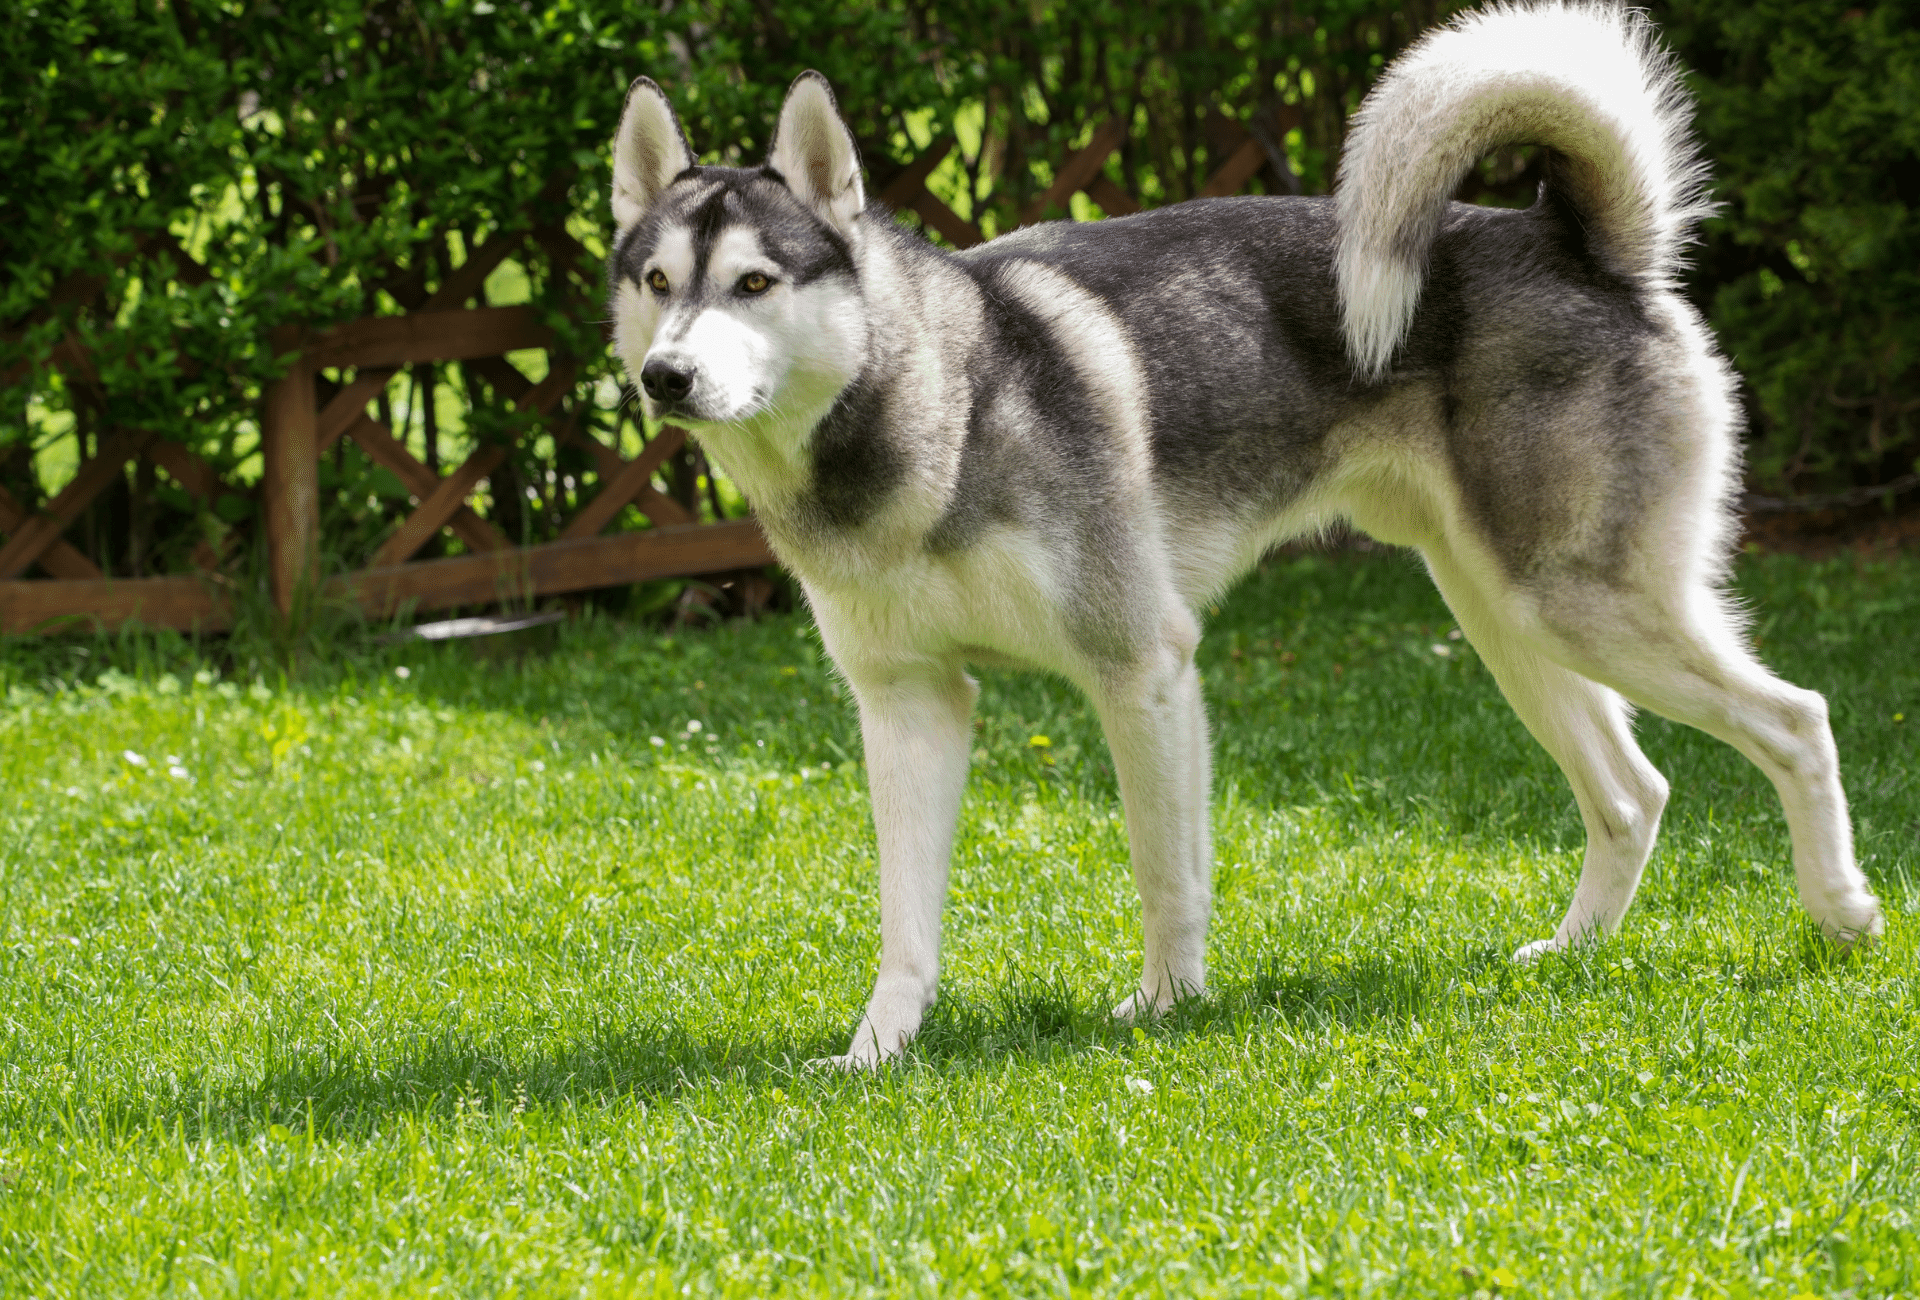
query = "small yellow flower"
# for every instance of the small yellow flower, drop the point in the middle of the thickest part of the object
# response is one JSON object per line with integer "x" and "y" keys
{"x": 1040, "y": 742}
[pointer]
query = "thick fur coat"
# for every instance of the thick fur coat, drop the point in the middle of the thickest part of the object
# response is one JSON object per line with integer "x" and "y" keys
{"x": 1052, "y": 450}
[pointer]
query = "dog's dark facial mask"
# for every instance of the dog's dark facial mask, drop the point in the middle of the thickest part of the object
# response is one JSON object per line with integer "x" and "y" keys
{"x": 731, "y": 287}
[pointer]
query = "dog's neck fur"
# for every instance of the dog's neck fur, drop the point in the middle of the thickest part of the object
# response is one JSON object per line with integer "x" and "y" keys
{"x": 822, "y": 466}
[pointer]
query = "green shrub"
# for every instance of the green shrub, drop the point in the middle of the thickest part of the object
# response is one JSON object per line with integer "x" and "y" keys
{"x": 183, "y": 175}
{"x": 1811, "y": 274}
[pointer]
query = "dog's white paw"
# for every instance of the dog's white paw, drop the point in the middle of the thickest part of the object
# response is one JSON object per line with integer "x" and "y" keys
{"x": 1855, "y": 922}
{"x": 1141, "y": 1006}
{"x": 890, "y": 1022}
{"x": 1528, "y": 953}
{"x": 862, "y": 1054}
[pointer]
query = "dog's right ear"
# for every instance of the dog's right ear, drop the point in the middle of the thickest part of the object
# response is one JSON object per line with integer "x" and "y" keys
{"x": 649, "y": 150}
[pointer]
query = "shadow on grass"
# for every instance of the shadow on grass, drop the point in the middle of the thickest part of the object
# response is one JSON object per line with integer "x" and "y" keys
{"x": 341, "y": 1094}
{"x": 1042, "y": 1019}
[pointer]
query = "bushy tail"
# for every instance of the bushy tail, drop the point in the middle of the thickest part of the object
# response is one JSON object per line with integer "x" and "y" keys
{"x": 1586, "y": 79}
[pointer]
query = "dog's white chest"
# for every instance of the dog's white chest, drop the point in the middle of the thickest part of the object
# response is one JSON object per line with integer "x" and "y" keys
{"x": 994, "y": 603}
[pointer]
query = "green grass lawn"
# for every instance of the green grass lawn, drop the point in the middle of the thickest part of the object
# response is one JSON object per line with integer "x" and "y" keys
{"x": 437, "y": 971}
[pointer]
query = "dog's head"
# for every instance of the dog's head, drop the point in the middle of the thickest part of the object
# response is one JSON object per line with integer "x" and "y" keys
{"x": 735, "y": 290}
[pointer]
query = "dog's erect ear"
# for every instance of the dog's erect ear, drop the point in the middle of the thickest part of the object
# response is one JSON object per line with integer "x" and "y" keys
{"x": 649, "y": 150}
{"x": 813, "y": 149}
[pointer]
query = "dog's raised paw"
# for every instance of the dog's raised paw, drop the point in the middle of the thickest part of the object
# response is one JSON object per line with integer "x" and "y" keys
{"x": 1532, "y": 952}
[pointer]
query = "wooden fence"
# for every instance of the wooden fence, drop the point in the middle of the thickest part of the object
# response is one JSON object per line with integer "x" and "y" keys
{"x": 304, "y": 416}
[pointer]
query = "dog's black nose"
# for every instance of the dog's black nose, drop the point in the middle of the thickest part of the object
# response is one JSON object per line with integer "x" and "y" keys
{"x": 665, "y": 382}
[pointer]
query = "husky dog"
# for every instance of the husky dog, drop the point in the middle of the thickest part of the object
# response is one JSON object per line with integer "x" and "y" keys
{"x": 1051, "y": 450}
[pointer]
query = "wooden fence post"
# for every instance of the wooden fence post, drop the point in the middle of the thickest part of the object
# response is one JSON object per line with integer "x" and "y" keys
{"x": 290, "y": 483}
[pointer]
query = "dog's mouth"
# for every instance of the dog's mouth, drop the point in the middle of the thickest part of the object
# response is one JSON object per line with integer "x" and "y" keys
{"x": 693, "y": 411}
{"x": 687, "y": 412}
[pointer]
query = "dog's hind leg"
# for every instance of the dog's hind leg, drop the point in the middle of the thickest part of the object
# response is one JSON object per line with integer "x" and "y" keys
{"x": 1156, "y": 726}
{"x": 1679, "y": 652}
{"x": 1669, "y": 643}
{"x": 915, "y": 725}
{"x": 1587, "y": 729}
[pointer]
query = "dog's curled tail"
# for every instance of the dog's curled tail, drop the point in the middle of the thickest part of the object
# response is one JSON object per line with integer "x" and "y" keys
{"x": 1588, "y": 80}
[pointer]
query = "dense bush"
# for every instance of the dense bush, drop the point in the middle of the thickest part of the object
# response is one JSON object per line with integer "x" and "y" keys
{"x": 1811, "y": 114}
{"x": 182, "y": 175}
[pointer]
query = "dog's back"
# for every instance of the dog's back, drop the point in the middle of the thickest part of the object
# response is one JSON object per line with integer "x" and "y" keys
{"x": 1254, "y": 400}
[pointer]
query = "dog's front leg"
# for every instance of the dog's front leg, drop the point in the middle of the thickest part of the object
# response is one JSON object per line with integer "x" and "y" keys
{"x": 1156, "y": 726}
{"x": 915, "y": 726}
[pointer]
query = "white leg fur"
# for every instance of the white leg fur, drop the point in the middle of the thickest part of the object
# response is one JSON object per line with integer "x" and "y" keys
{"x": 1588, "y": 731}
{"x": 1156, "y": 726}
{"x": 1673, "y": 648}
{"x": 1682, "y": 657}
{"x": 917, "y": 742}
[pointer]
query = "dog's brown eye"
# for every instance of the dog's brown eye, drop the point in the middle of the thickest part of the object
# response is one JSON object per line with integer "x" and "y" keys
{"x": 754, "y": 282}
{"x": 657, "y": 281}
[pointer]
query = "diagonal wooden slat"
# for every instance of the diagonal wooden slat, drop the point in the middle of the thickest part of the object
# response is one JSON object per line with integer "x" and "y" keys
{"x": 606, "y": 461}
{"x": 567, "y": 251}
{"x": 902, "y": 188}
{"x": 909, "y": 190}
{"x": 471, "y": 275}
{"x": 521, "y": 392}
{"x": 38, "y": 533}
{"x": 1236, "y": 171}
{"x": 1078, "y": 170}
{"x": 599, "y": 512}
{"x": 438, "y": 509}
{"x": 663, "y": 510}
{"x": 188, "y": 268}
{"x": 1113, "y": 200}
{"x": 200, "y": 479}
{"x": 959, "y": 233}
{"x": 349, "y": 405}
{"x": 61, "y": 559}
{"x": 503, "y": 375}
{"x": 545, "y": 395}
{"x": 187, "y": 469}
{"x": 72, "y": 356}
{"x": 377, "y": 440}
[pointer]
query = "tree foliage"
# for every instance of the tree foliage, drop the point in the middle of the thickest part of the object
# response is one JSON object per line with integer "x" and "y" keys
{"x": 182, "y": 175}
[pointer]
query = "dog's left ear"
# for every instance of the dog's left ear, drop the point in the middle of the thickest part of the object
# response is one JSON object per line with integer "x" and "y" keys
{"x": 813, "y": 149}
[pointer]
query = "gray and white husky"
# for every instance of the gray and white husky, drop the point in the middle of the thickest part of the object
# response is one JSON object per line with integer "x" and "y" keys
{"x": 1053, "y": 449}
